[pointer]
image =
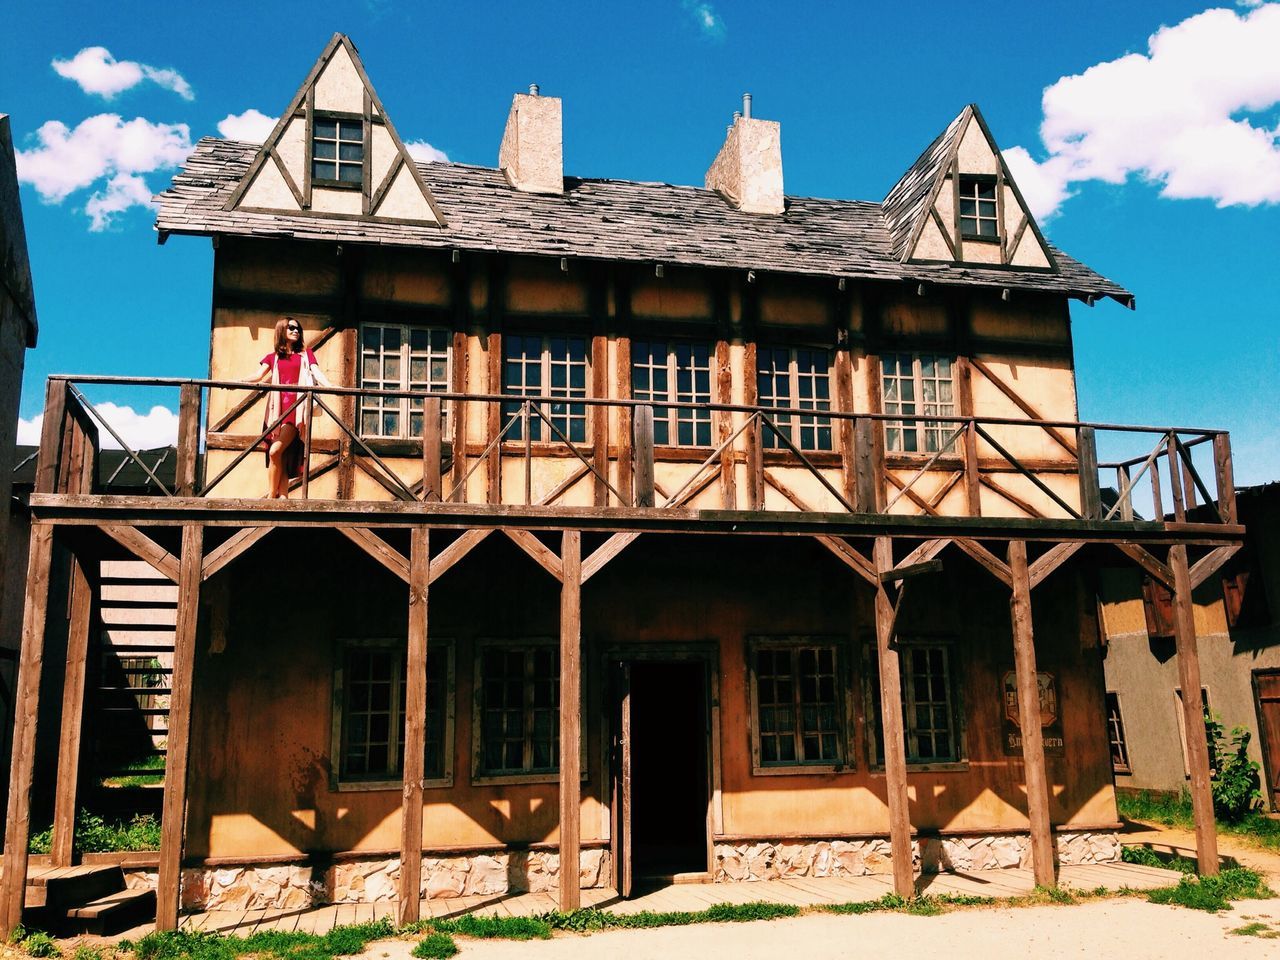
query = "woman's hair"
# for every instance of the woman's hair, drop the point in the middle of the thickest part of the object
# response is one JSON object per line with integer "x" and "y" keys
{"x": 282, "y": 337}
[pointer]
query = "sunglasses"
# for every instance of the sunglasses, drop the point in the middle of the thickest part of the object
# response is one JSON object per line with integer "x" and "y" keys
{"x": 292, "y": 326}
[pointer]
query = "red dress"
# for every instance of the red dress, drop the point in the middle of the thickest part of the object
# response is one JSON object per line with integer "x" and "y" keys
{"x": 288, "y": 371}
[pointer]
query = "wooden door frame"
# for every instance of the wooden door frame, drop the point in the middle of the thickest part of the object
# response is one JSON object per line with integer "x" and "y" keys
{"x": 1269, "y": 772}
{"x": 706, "y": 652}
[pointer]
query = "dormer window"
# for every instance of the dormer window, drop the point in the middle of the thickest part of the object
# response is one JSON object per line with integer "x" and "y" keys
{"x": 337, "y": 152}
{"x": 978, "y": 220}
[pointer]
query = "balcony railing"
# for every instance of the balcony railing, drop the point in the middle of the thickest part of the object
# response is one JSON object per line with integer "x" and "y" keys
{"x": 977, "y": 465}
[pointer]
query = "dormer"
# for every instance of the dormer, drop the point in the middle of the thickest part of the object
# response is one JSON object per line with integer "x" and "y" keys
{"x": 335, "y": 151}
{"x": 958, "y": 203}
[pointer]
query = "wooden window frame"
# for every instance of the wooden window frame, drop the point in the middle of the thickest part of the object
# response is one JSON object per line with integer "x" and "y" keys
{"x": 793, "y": 424}
{"x": 1206, "y": 708}
{"x": 975, "y": 181}
{"x": 672, "y": 417}
{"x": 339, "y": 118}
{"x": 545, "y": 365}
{"x": 844, "y": 742}
{"x": 955, "y": 690}
{"x": 1116, "y": 734}
{"x": 405, "y": 404}
{"x": 923, "y": 431}
{"x": 337, "y": 782}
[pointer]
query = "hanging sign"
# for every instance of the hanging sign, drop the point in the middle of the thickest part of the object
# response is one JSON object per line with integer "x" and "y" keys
{"x": 1050, "y": 715}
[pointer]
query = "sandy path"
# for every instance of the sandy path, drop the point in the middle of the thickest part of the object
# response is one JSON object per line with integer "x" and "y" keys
{"x": 1128, "y": 929}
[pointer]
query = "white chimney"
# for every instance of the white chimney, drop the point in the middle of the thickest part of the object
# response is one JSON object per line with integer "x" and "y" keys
{"x": 531, "y": 152}
{"x": 748, "y": 169}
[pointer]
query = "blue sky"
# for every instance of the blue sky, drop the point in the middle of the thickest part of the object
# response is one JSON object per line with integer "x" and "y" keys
{"x": 1173, "y": 192}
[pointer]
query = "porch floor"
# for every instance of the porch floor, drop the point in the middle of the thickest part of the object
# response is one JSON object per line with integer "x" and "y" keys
{"x": 803, "y": 891}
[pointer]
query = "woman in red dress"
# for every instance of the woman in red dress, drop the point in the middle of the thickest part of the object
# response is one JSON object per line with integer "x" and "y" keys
{"x": 290, "y": 363}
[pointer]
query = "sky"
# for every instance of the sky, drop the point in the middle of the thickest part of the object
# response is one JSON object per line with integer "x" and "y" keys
{"x": 1146, "y": 137}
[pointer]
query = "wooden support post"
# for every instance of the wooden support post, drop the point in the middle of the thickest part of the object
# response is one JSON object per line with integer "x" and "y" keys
{"x": 13, "y": 883}
{"x": 415, "y": 718}
{"x": 1090, "y": 491}
{"x": 174, "y": 811}
{"x": 188, "y": 439}
{"x": 570, "y": 720}
{"x": 432, "y": 488}
{"x": 78, "y": 631}
{"x": 642, "y": 448}
{"x": 1175, "y": 482}
{"x": 1024, "y": 659}
{"x": 866, "y": 471}
{"x": 1226, "y": 482}
{"x": 1184, "y": 631}
{"x": 895, "y": 746}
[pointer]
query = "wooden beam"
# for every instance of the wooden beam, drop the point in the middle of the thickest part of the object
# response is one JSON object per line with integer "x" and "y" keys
{"x": 432, "y": 482}
{"x": 230, "y": 549}
{"x": 143, "y": 547}
{"x": 1023, "y": 505}
{"x": 1090, "y": 490}
{"x": 174, "y": 812}
{"x": 415, "y": 718}
{"x": 1024, "y": 659}
{"x": 606, "y": 552}
{"x": 925, "y": 551}
{"x": 987, "y": 560}
{"x": 852, "y": 559}
{"x": 1225, "y": 480}
{"x": 772, "y": 480}
{"x": 895, "y": 747}
{"x": 1211, "y": 563}
{"x": 1023, "y": 405}
{"x": 188, "y": 439}
{"x": 379, "y": 550}
{"x": 868, "y": 467}
{"x": 541, "y": 554}
{"x": 1050, "y": 561}
{"x": 73, "y": 685}
{"x": 56, "y": 394}
{"x": 455, "y": 551}
{"x": 570, "y": 721}
{"x": 1197, "y": 743}
{"x": 905, "y": 571}
{"x": 26, "y": 709}
{"x": 1143, "y": 558}
{"x": 642, "y": 448}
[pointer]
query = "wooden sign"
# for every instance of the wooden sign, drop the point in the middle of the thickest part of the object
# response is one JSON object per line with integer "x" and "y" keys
{"x": 1050, "y": 714}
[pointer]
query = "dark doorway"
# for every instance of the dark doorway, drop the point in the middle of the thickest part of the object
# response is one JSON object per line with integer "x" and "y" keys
{"x": 668, "y": 769}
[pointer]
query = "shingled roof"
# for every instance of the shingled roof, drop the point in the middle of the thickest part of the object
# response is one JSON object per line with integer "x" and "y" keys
{"x": 907, "y": 202}
{"x": 606, "y": 220}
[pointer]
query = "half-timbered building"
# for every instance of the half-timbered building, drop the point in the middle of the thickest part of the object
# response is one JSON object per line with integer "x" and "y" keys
{"x": 647, "y": 531}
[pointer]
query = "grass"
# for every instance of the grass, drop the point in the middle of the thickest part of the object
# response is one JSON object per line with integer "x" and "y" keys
{"x": 95, "y": 835}
{"x": 149, "y": 772}
{"x": 1256, "y": 828}
{"x": 1256, "y": 929}
{"x": 1214, "y": 893}
{"x": 1149, "y": 858}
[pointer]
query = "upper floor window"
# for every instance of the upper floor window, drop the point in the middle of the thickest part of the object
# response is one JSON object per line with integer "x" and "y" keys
{"x": 917, "y": 385}
{"x": 518, "y": 709}
{"x": 674, "y": 372}
{"x": 798, "y": 719}
{"x": 978, "y": 209}
{"x": 800, "y": 378}
{"x": 398, "y": 357}
{"x": 538, "y": 366}
{"x": 337, "y": 151}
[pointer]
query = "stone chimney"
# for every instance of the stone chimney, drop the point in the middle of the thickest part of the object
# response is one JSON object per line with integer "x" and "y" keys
{"x": 531, "y": 151}
{"x": 748, "y": 169}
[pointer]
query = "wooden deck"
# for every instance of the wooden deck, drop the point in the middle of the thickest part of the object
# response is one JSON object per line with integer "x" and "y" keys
{"x": 804, "y": 892}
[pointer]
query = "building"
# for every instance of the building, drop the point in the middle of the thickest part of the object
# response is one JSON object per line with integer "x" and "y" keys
{"x": 675, "y": 477}
{"x": 1239, "y": 655}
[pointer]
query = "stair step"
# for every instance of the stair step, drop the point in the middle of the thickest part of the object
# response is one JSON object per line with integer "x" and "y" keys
{"x": 112, "y": 913}
{"x": 69, "y": 886}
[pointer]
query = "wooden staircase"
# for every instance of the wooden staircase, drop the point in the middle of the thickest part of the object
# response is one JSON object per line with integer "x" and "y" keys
{"x": 85, "y": 899}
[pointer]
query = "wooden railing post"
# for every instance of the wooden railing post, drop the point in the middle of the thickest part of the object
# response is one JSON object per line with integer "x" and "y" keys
{"x": 415, "y": 717}
{"x": 642, "y": 451}
{"x": 55, "y": 411}
{"x": 867, "y": 470}
{"x": 1124, "y": 483}
{"x": 1226, "y": 481}
{"x": 893, "y": 731}
{"x": 189, "y": 439}
{"x": 1087, "y": 459}
{"x": 432, "y": 455}
{"x": 78, "y": 628}
{"x": 972, "y": 476}
{"x": 1197, "y": 743}
{"x": 570, "y": 720}
{"x": 1175, "y": 479}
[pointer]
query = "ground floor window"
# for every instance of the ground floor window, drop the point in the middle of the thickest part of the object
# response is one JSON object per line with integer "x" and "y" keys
{"x": 798, "y": 717}
{"x": 1115, "y": 731}
{"x": 930, "y": 703}
{"x": 369, "y": 693}
{"x": 517, "y": 709}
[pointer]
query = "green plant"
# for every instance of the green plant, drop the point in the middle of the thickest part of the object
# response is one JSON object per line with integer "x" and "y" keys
{"x": 1213, "y": 893}
{"x": 83, "y": 952}
{"x": 40, "y": 944}
{"x": 1147, "y": 857}
{"x": 1236, "y": 785}
{"x": 435, "y": 946}
{"x": 1256, "y": 828}
{"x": 1256, "y": 929}
{"x": 494, "y": 928}
{"x": 95, "y": 835}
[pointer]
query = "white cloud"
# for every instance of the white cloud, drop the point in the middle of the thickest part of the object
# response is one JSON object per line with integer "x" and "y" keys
{"x": 142, "y": 431}
{"x": 1182, "y": 116}
{"x": 424, "y": 152}
{"x": 252, "y": 126}
{"x": 96, "y": 71}
{"x": 705, "y": 16}
{"x": 103, "y": 150}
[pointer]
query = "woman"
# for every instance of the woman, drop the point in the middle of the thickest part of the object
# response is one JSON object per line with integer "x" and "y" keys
{"x": 290, "y": 363}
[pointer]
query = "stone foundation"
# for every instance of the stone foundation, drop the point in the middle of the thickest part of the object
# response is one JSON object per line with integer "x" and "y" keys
{"x": 770, "y": 860}
{"x": 296, "y": 885}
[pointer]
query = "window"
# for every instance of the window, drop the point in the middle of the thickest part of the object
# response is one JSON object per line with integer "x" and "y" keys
{"x": 536, "y": 366}
{"x": 518, "y": 709}
{"x": 1157, "y": 605}
{"x": 1115, "y": 731}
{"x": 797, "y": 704}
{"x": 337, "y": 151}
{"x": 929, "y": 703}
{"x": 798, "y": 377}
{"x": 370, "y": 692}
{"x": 678, "y": 372}
{"x": 1182, "y": 728}
{"x": 978, "y": 220}
{"x": 917, "y": 385}
{"x": 400, "y": 358}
